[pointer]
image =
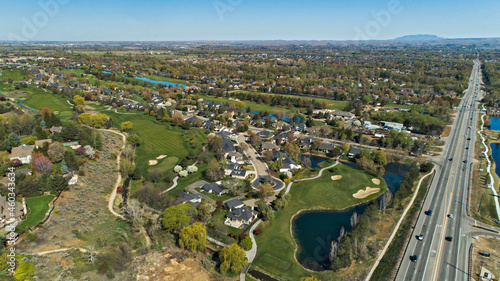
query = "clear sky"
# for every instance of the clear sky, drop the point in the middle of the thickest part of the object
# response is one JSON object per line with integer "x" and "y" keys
{"x": 174, "y": 20}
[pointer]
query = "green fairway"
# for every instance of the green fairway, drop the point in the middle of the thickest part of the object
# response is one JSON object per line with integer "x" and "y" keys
{"x": 321, "y": 193}
{"x": 38, "y": 207}
{"x": 57, "y": 104}
{"x": 14, "y": 75}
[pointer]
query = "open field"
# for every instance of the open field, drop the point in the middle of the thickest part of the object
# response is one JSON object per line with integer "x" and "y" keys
{"x": 322, "y": 193}
{"x": 38, "y": 207}
{"x": 14, "y": 75}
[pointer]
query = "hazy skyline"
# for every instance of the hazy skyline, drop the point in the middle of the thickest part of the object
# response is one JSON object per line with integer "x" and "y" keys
{"x": 154, "y": 20}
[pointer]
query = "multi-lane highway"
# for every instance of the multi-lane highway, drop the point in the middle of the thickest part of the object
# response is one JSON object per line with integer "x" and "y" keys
{"x": 442, "y": 252}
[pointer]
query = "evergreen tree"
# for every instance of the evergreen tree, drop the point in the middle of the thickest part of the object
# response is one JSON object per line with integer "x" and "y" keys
{"x": 43, "y": 124}
{"x": 70, "y": 160}
{"x": 70, "y": 132}
{"x": 6, "y": 145}
{"x": 98, "y": 141}
{"x": 109, "y": 123}
{"x": 14, "y": 139}
{"x": 64, "y": 167}
{"x": 58, "y": 183}
{"x": 136, "y": 174}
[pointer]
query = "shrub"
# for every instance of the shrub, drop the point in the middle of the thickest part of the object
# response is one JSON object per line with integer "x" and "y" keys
{"x": 183, "y": 173}
{"x": 192, "y": 169}
{"x": 258, "y": 231}
{"x": 177, "y": 169}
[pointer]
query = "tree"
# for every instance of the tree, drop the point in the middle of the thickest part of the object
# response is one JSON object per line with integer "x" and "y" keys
{"x": 126, "y": 126}
{"x": 98, "y": 141}
{"x": 178, "y": 216}
{"x": 268, "y": 214}
{"x": 232, "y": 258}
{"x": 58, "y": 183}
{"x": 214, "y": 170}
{"x": 64, "y": 167}
{"x": 78, "y": 100}
{"x": 380, "y": 157}
{"x": 193, "y": 237}
{"x": 135, "y": 213}
{"x": 70, "y": 132}
{"x": 246, "y": 242}
{"x": 56, "y": 152}
{"x": 136, "y": 174}
{"x": 125, "y": 165}
{"x": 384, "y": 200}
{"x": 24, "y": 270}
{"x": 205, "y": 210}
{"x": 134, "y": 140}
{"x": 265, "y": 190}
{"x": 40, "y": 163}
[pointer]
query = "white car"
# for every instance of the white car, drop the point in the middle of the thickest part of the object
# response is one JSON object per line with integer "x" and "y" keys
{"x": 450, "y": 216}
{"x": 420, "y": 237}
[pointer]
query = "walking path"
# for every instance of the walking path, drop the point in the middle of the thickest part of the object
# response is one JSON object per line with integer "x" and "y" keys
{"x": 492, "y": 180}
{"x": 396, "y": 228}
{"x": 112, "y": 197}
{"x": 250, "y": 254}
{"x": 58, "y": 251}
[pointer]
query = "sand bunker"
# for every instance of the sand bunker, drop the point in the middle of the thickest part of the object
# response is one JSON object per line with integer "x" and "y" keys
{"x": 336, "y": 178}
{"x": 161, "y": 157}
{"x": 376, "y": 181}
{"x": 365, "y": 193}
{"x": 153, "y": 162}
{"x": 75, "y": 146}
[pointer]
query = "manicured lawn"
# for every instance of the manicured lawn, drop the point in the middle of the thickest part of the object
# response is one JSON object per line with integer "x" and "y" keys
{"x": 38, "y": 207}
{"x": 15, "y": 75}
{"x": 276, "y": 247}
{"x": 57, "y": 104}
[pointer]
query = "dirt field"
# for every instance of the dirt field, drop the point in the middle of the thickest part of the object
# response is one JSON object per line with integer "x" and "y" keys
{"x": 492, "y": 263}
{"x": 158, "y": 267}
{"x": 365, "y": 193}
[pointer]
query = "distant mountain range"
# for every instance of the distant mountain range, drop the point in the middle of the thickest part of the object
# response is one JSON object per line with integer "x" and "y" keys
{"x": 419, "y": 37}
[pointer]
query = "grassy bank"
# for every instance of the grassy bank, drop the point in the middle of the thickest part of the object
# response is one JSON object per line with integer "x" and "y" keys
{"x": 276, "y": 247}
{"x": 38, "y": 207}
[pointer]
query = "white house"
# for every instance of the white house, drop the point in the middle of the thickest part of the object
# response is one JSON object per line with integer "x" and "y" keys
{"x": 23, "y": 153}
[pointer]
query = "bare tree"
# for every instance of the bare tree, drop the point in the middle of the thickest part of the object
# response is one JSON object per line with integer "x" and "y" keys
{"x": 135, "y": 212}
{"x": 384, "y": 200}
{"x": 342, "y": 234}
{"x": 128, "y": 152}
{"x": 333, "y": 250}
{"x": 354, "y": 219}
{"x": 91, "y": 254}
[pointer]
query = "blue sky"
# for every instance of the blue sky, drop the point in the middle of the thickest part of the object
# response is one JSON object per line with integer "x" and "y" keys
{"x": 174, "y": 20}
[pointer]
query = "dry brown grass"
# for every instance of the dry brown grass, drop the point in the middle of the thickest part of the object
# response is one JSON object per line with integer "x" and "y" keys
{"x": 446, "y": 132}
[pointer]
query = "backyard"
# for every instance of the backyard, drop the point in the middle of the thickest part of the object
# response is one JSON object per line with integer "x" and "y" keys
{"x": 38, "y": 207}
{"x": 276, "y": 247}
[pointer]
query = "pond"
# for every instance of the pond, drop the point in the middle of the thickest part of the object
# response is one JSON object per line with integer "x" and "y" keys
{"x": 495, "y": 153}
{"x": 315, "y": 160}
{"x": 495, "y": 123}
{"x": 314, "y": 231}
{"x": 152, "y": 81}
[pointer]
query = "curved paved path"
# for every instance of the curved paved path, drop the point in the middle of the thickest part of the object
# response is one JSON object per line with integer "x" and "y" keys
{"x": 396, "y": 228}
{"x": 250, "y": 254}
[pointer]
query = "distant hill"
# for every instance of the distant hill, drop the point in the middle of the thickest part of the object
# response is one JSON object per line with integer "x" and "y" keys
{"x": 419, "y": 37}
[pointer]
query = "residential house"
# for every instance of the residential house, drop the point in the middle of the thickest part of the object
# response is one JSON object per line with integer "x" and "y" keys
{"x": 239, "y": 174}
{"x": 270, "y": 119}
{"x": 342, "y": 115}
{"x": 240, "y": 216}
{"x": 235, "y": 156}
{"x": 189, "y": 198}
{"x": 306, "y": 143}
{"x": 194, "y": 121}
{"x": 233, "y": 204}
{"x": 289, "y": 165}
{"x": 354, "y": 153}
{"x": 55, "y": 130}
{"x": 214, "y": 188}
{"x": 39, "y": 143}
{"x": 281, "y": 125}
{"x": 8, "y": 214}
{"x": 23, "y": 153}
{"x": 325, "y": 147}
{"x": 299, "y": 127}
{"x": 269, "y": 146}
{"x": 283, "y": 137}
{"x": 265, "y": 134}
{"x": 232, "y": 167}
{"x": 276, "y": 154}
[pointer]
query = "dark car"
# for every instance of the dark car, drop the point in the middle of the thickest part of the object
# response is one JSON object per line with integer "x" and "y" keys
{"x": 449, "y": 238}
{"x": 428, "y": 212}
{"x": 414, "y": 258}
{"x": 468, "y": 138}
{"x": 451, "y": 159}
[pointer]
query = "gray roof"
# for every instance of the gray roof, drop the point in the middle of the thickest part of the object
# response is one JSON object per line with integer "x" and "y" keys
{"x": 186, "y": 196}
{"x": 234, "y": 203}
{"x": 325, "y": 146}
{"x": 4, "y": 209}
{"x": 233, "y": 166}
{"x": 287, "y": 162}
{"x": 269, "y": 145}
{"x": 265, "y": 134}
{"x": 213, "y": 187}
{"x": 239, "y": 173}
{"x": 355, "y": 151}
{"x": 242, "y": 214}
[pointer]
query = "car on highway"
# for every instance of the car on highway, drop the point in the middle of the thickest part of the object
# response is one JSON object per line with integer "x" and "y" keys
{"x": 465, "y": 161}
{"x": 420, "y": 237}
{"x": 467, "y": 147}
{"x": 428, "y": 212}
{"x": 450, "y": 216}
{"x": 468, "y": 138}
{"x": 449, "y": 238}
{"x": 414, "y": 258}
{"x": 451, "y": 159}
